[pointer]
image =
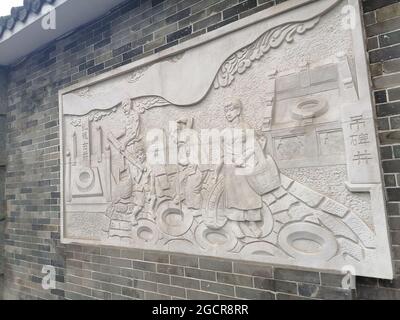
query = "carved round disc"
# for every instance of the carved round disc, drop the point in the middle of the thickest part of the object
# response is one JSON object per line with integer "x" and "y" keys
{"x": 145, "y": 232}
{"x": 307, "y": 241}
{"x": 310, "y": 108}
{"x": 172, "y": 220}
{"x": 85, "y": 179}
{"x": 215, "y": 240}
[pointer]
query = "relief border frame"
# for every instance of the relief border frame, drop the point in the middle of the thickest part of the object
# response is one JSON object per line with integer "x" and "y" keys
{"x": 364, "y": 85}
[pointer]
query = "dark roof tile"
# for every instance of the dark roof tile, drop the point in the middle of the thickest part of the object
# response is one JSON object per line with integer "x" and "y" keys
{"x": 21, "y": 14}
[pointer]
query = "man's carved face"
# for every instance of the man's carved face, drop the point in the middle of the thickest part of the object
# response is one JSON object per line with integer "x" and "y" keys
{"x": 232, "y": 111}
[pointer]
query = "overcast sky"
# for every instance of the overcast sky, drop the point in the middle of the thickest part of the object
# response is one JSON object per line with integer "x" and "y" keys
{"x": 6, "y": 5}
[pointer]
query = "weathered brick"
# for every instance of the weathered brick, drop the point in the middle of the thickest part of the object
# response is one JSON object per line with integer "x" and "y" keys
{"x": 391, "y": 66}
{"x": 207, "y": 22}
{"x": 112, "y": 252}
{"x": 145, "y": 266}
{"x": 394, "y": 94}
{"x": 134, "y": 293}
{"x": 380, "y": 96}
{"x": 389, "y": 137}
{"x": 391, "y": 166}
{"x": 275, "y": 285}
{"x": 185, "y": 282}
{"x": 222, "y": 23}
{"x": 396, "y": 151}
{"x": 155, "y": 296}
{"x": 254, "y": 294}
{"x": 370, "y": 5}
{"x": 172, "y": 270}
{"x": 200, "y": 295}
{"x": 374, "y": 293}
{"x": 216, "y": 264}
{"x": 200, "y": 274}
{"x": 386, "y": 153}
{"x": 183, "y": 260}
{"x": 132, "y": 254}
{"x": 313, "y": 291}
{"x": 252, "y": 269}
{"x": 178, "y": 16}
{"x": 157, "y": 277}
{"x": 235, "y": 279}
{"x": 384, "y": 54}
{"x": 388, "y": 12}
{"x": 145, "y": 285}
{"x": 132, "y": 53}
{"x": 218, "y": 288}
{"x": 242, "y": 6}
{"x": 297, "y": 275}
{"x": 393, "y": 194}
{"x": 172, "y": 291}
{"x": 160, "y": 257}
{"x": 383, "y": 27}
{"x": 179, "y": 34}
{"x": 388, "y": 109}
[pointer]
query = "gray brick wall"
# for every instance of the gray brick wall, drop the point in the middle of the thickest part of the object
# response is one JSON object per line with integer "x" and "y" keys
{"x": 128, "y": 33}
{"x": 3, "y": 130}
{"x": 3, "y": 160}
{"x": 382, "y": 24}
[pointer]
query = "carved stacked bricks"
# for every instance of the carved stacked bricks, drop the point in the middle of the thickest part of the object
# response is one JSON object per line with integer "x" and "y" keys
{"x": 313, "y": 197}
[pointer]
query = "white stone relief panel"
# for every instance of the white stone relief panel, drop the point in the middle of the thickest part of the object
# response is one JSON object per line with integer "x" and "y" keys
{"x": 303, "y": 189}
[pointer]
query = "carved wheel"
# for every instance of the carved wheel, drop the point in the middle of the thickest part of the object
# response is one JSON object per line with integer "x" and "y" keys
{"x": 85, "y": 179}
{"x": 173, "y": 220}
{"x": 215, "y": 240}
{"x": 145, "y": 232}
{"x": 310, "y": 108}
{"x": 307, "y": 241}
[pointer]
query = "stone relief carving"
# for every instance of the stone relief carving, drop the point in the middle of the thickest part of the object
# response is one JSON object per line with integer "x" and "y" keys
{"x": 264, "y": 213}
{"x": 85, "y": 92}
{"x": 137, "y": 74}
{"x": 289, "y": 195}
{"x": 240, "y": 61}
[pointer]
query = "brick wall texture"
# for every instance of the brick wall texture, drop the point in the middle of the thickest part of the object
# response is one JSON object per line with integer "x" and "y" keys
{"x": 128, "y": 33}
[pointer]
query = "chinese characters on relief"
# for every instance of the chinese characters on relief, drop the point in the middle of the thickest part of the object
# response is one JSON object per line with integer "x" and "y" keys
{"x": 360, "y": 140}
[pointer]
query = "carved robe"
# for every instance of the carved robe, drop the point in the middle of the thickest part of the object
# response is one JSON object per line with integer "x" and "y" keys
{"x": 189, "y": 186}
{"x": 242, "y": 203}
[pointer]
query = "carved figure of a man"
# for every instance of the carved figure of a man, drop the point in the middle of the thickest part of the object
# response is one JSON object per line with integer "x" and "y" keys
{"x": 124, "y": 209}
{"x": 190, "y": 178}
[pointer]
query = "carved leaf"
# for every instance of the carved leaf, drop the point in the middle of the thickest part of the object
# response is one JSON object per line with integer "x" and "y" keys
{"x": 146, "y": 103}
{"x": 242, "y": 60}
{"x": 137, "y": 74}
